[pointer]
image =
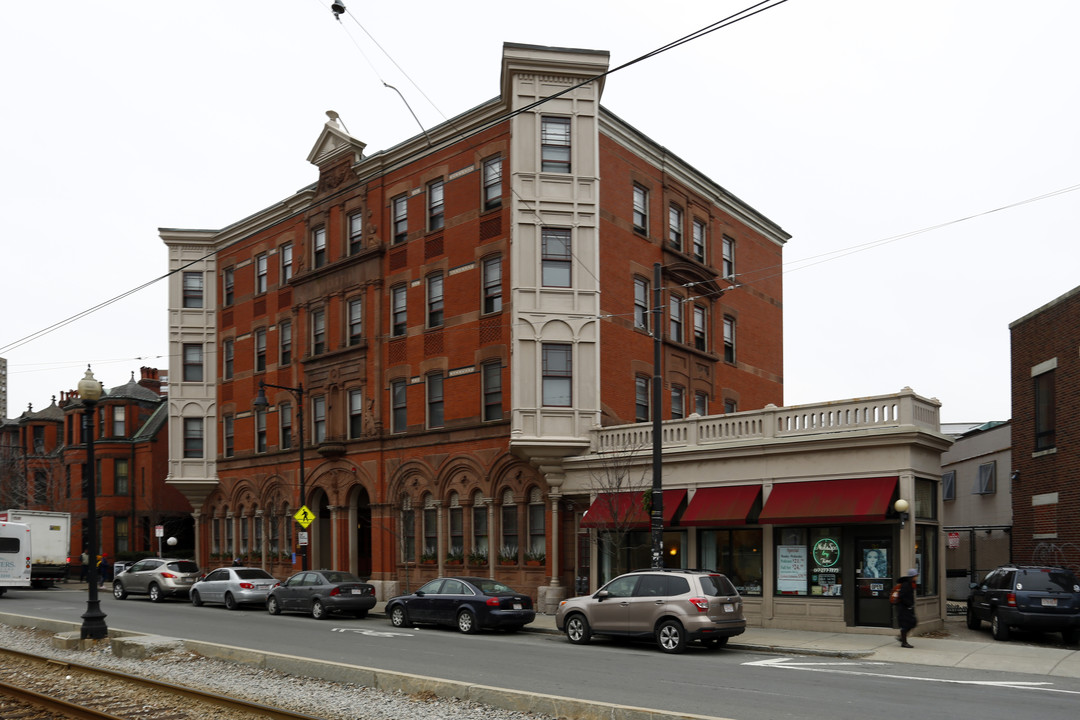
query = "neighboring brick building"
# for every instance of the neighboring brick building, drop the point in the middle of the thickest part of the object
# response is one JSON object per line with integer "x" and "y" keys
{"x": 1046, "y": 433}
{"x": 462, "y": 311}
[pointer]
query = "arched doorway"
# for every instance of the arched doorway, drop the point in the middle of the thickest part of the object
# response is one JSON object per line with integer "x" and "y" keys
{"x": 360, "y": 514}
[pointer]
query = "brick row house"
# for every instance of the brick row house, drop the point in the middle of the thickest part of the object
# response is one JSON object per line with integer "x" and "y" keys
{"x": 447, "y": 320}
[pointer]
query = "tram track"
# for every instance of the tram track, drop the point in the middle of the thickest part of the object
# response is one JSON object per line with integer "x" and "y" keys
{"x": 38, "y": 688}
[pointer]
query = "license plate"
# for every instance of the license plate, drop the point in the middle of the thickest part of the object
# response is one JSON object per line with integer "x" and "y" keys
{"x": 517, "y": 606}
{"x": 261, "y": 587}
{"x": 728, "y": 607}
{"x": 355, "y": 591}
{"x": 1049, "y": 602}
{"x": 187, "y": 580}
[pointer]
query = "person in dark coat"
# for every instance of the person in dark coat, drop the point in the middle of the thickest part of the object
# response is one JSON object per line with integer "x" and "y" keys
{"x": 906, "y": 606}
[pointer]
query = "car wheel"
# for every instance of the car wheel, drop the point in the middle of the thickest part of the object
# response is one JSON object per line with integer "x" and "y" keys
{"x": 671, "y": 637}
{"x": 1000, "y": 629}
{"x": 973, "y": 621}
{"x": 230, "y": 602}
{"x": 118, "y": 591}
{"x": 577, "y": 629}
{"x": 398, "y": 618}
{"x": 1070, "y": 636}
{"x": 318, "y": 610}
{"x": 155, "y": 593}
{"x": 466, "y": 622}
{"x": 272, "y": 606}
{"x": 360, "y": 614}
{"x": 195, "y": 599}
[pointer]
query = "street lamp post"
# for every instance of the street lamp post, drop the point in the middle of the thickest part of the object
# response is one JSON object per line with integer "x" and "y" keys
{"x": 93, "y": 625}
{"x": 657, "y": 495}
{"x": 261, "y": 403}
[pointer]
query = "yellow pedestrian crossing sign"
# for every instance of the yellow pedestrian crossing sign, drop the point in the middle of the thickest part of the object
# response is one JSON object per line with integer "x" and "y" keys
{"x": 304, "y": 516}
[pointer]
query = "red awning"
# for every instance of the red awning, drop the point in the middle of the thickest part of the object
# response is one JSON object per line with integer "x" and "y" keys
{"x": 829, "y": 501}
{"x": 721, "y": 505}
{"x": 627, "y": 510}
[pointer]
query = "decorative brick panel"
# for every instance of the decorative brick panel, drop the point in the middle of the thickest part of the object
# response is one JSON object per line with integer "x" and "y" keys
{"x": 490, "y": 330}
{"x": 433, "y": 344}
{"x": 398, "y": 259}
{"x": 491, "y": 228}
{"x": 433, "y": 247}
{"x": 396, "y": 352}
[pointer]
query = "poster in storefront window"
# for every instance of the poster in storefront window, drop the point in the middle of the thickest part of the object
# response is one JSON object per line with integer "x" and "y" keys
{"x": 791, "y": 569}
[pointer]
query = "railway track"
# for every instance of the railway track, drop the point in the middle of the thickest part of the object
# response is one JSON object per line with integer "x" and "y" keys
{"x": 36, "y": 688}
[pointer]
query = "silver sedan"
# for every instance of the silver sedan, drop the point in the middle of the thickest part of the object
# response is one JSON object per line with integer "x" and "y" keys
{"x": 233, "y": 587}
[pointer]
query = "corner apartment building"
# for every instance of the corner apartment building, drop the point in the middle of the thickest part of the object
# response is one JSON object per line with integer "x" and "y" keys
{"x": 447, "y": 320}
{"x": 1046, "y": 433}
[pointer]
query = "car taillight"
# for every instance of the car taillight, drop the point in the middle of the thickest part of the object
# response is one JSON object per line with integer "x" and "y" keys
{"x": 1010, "y": 599}
{"x": 168, "y": 575}
{"x": 492, "y": 602}
{"x": 247, "y": 585}
{"x": 335, "y": 591}
{"x": 702, "y": 604}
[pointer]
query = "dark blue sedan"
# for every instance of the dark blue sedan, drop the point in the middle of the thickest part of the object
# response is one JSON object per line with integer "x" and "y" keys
{"x": 469, "y": 603}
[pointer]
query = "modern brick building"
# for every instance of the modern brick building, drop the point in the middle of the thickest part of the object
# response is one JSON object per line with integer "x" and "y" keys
{"x": 1046, "y": 433}
{"x": 454, "y": 316}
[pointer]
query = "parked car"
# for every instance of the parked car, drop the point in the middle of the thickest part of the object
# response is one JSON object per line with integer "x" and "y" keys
{"x": 157, "y": 577}
{"x": 469, "y": 603}
{"x": 233, "y": 586}
{"x": 321, "y": 592}
{"x": 671, "y": 606}
{"x": 1027, "y": 597}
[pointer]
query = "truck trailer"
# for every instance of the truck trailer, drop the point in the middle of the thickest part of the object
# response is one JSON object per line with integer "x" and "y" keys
{"x": 15, "y": 553}
{"x": 51, "y": 533}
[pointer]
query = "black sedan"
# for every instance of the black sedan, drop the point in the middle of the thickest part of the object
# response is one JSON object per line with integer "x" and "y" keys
{"x": 321, "y": 592}
{"x": 469, "y": 603}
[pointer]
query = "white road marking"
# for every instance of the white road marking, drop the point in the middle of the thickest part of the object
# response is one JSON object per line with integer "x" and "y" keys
{"x": 372, "y": 633}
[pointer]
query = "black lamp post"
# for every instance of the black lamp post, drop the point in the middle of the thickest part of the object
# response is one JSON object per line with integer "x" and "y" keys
{"x": 261, "y": 403}
{"x": 657, "y": 495}
{"x": 93, "y": 626}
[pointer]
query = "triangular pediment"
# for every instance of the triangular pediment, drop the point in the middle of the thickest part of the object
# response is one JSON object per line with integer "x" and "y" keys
{"x": 333, "y": 144}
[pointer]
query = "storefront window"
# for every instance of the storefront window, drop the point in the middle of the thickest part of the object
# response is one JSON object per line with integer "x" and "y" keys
{"x": 737, "y": 554}
{"x": 809, "y": 561}
{"x": 926, "y": 558}
{"x": 626, "y": 551}
{"x": 925, "y": 500}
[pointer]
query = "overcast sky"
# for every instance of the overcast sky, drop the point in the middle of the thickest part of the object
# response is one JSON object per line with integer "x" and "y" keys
{"x": 847, "y": 122}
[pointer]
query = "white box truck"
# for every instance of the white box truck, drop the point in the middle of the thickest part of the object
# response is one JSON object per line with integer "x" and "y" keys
{"x": 51, "y": 533}
{"x": 15, "y": 552}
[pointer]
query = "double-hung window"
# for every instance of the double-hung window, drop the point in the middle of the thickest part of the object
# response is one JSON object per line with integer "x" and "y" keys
{"x": 701, "y": 403}
{"x": 193, "y": 439}
{"x": 227, "y": 359}
{"x": 641, "y": 210}
{"x": 398, "y": 410}
{"x": 318, "y": 418}
{"x": 356, "y": 232}
{"x": 318, "y": 332}
{"x": 435, "y": 400}
{"x": 193, "y": 362}
{"x": 555, "y": 144}
{"x": 260, "y": 273}
{"x": 285, "y": 425}
{"x": 492, "y": 269}
{"x": 678, "y": 403}
{"x": 228, "y": 434}
{"x": 675, "y": 319}
{"x": 699, "y": 241}
{"x": 641, "y": 399}
{"x": 119, "y": 424}
{"x": 729, "y": 339}
{"x": 675, "y": 227}
{"x": 700, "y": 325}
{"x": 318, "y": 247}
{"x": 492, "y": 183}
{"x": 260, "y": 430}
{"x": 398, "y": 311}
{"x": 436, "y": 217}
{"x": 728, "y": 250}
{"x": 193, "y": 289}
{"x": 286, "y": 263}
{"x": 641, "y": 303}
{"x": 228, "y": 285}
{"x": 555, "y": 257}
{"x": 285, "y": 343}
{"x": 260, "y": 350}
{"x": 356, "y": 414}
{"x": 557, "y": 372}
{"x": 492, "y": 391}
{"x": 435, "y": 300}
{"x": 400, "y": 208}
{"x": 356, "y": 321}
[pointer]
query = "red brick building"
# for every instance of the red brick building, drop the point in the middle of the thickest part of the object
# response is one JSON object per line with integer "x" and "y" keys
{"x": 1046, "y": 433}
{"x": 461, "y": 312}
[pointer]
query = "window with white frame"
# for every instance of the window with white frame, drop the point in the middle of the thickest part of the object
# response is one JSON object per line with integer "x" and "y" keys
{"x": 948, "y": 485}
{"x": 228, "y": 285}
{"x": 1045, "y": 413}
{"x": 436, "y": 207}
{"x": 730, "y": 406}
{"x": 408, "y": 530}
{"x": 260, "y": 273}
{"x": 356, "y": 232}
{"x": 431, "y": 527}
{"x": 508, "y": 542}
{"x": 555, "y": 257}
{"x": 675, "y": 319}
{"x": 492, "y": 270}
{"x": 318, "y": 247}
{"x": 555, "y": 144}
{"x": 193, "y": 362}
{"x": 455, "y": 546}
{"x": 260, "y": 349}
{"x": 435, "y": 300}
{"x": 986, "y": 483}
{"x": 260, "y": 430}
{"x": 318, "y": 332}
{"x": 641, "y": 210}
{"x": 729, "y": 339}
{"x": 701, "y": 403}
{"x": 678, "y": 403}
{"x": 228, "y": 433}
{"x": 675, "y": 227}
{"x": 699, "y": 240}
{"x": 700, "y": 325}
{"x": 398, "y": 415}
{"x": 286, "y": 263}
{"x": 641, "y": 303}
{"x": 400, "y": 210}
{"x": 119, "y": 421}
{"x": 641, "y": 399}
{"x": 435, "y": 400}
{"x": 557, "y": 371}
{"x": 356, "y": 321}
{"x": 479, "y": 526}
{"x": 285, "y": 343}
{"x": 318, "y": 419}
{"x": 398, "y": 311}
{"x": 492, "y": 183}
{"x": 537, "y": 525}
{"x": 121, "y": 477}
{"x": 227, "y": 358}
{"x": 285, "y": 421}
{"x": 492, "y": 378}
{"x": 193, "y": 438}
{"x": 193, "y": 289}
{"x": 728, "y": 250}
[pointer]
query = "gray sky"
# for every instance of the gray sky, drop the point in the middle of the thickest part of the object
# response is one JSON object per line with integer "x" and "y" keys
{"x": 851, "y": 123}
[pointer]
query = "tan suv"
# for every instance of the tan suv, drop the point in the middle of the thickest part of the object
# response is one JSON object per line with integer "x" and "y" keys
{"x": 672, "y": 606}
{"x": 157, "y": 577}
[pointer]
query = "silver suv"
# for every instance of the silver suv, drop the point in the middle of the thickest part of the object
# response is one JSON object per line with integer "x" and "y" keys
{"x": 157, "y": 577}
{"x": 672, "y": 606}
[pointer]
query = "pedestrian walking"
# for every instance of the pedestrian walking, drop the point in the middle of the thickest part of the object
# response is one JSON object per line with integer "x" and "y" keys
{"x": 84, "y": 566}
{"x": 905, "y": 606}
